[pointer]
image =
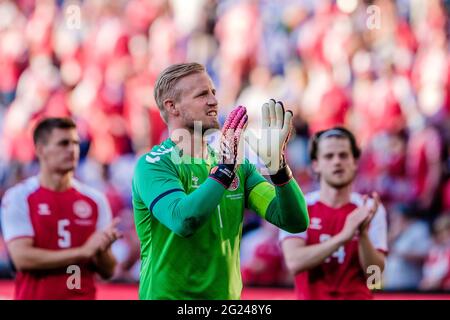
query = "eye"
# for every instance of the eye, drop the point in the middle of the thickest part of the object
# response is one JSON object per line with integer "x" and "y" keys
{"x": 202, "y": 94}
{"x": 64, "y": 143}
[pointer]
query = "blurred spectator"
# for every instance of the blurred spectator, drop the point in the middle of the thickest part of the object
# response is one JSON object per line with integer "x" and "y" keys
{"x": 238, "y": 30}
{"x": 383, "y": 168}
{"x": 409, "y": 243}
{"x": 297, "y": 152}
{"x": 436, "y": 270}
{"x": 261, "y": 258}
{"x": 424, "y": 165}
{"x": 6, "y": 270}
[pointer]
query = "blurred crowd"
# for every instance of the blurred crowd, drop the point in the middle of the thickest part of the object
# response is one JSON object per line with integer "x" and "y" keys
{"x": 381, "y": 68}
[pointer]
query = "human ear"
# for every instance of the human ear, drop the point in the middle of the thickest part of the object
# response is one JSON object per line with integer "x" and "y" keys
{"x": 315, "y": 166}
{"x": 171, "y": 108}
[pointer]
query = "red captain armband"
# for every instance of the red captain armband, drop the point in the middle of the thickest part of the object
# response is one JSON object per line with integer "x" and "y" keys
{"x": 223, "y": 173}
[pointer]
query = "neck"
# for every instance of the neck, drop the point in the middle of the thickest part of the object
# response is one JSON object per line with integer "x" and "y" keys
{"x": 334, "y": 197}
{"x": 55, "y": 181}
{"x": 192, "y": 144}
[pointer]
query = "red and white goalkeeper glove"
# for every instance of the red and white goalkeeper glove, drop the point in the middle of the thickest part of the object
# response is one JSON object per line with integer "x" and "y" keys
{"x": 232, "y": 130}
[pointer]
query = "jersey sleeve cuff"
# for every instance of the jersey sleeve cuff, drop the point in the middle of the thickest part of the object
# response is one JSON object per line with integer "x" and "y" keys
{"x": 223, "y": 173}
{"x": 282, "y": 177}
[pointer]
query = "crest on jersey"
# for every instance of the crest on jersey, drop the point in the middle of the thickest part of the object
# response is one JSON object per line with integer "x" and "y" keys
{"x": 82, "y": 209}
{"x": 195, "y": 182}
{"x": 235, "y": 184}
{"x": 44, "y": 209}
{"x": 315, "y": 223}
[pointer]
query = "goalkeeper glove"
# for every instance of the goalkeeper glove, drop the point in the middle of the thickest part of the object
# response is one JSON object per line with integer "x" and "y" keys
{"x": 270, "y": 146}
{"x": 232, "y": 130}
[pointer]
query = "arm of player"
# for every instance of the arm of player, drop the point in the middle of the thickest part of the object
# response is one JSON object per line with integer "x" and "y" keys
{"x": 368, "y": 254}
{"x": 185, "y": 213}
{"x": 284, "y": 206}
{"x": 157, "y": 186}
{"x": 27, "y": 257}
{"x": 104, "y": 261}
{"x": 301, "y": 257}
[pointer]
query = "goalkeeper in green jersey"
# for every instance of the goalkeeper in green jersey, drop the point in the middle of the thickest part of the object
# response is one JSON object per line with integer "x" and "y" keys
{"x": 189, "y": 200}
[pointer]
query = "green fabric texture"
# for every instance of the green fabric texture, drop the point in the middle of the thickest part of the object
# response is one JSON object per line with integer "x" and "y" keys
{"x": 289, "y": 210}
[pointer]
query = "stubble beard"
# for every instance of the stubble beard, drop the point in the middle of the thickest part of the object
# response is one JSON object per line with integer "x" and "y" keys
{"x": 341, "y": 184}
{"x": 205, "y": 126}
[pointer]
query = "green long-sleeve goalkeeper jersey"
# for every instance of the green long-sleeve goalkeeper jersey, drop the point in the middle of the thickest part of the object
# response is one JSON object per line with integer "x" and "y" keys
{"x": 190, "y": 227}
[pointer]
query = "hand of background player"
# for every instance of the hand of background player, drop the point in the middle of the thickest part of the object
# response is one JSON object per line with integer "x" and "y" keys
{"x": 94, "y": 244}
{"x": 101, "y": 240}
{"x": 372, "y": 207}
{"x": 354, "y": 220}
{"x": 275, "y": 133}
{"x": 232, "y": 130}
{"x": 112, "y": 233}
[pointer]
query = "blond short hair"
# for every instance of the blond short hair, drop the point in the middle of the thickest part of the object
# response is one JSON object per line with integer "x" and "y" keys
{"x": 165, "y": 87}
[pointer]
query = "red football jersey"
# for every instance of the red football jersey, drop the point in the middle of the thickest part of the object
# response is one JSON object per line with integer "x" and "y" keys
{"x": 55, "y": 221}
{"x": 340, "y": 276}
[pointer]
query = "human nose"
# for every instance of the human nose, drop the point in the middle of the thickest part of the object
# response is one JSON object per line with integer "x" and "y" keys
{"x": 72, "y": 147}
{"x": 212, "y": 100}
{"x": 336, "y": 161}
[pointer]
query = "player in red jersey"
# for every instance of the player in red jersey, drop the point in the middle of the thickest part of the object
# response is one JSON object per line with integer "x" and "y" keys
{"x": 347, "y": 238}
{"x": 58, "y": 231}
